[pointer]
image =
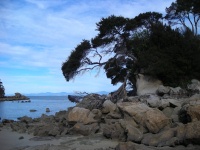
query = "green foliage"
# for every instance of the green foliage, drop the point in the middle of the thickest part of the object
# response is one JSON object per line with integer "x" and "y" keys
{"x": 183, "y": 11}
{"x": 169, "y": 55}
{"x": 74, "y": 61}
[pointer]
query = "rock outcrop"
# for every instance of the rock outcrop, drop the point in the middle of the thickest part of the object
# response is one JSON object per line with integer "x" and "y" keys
{"x": 150, "y": 120}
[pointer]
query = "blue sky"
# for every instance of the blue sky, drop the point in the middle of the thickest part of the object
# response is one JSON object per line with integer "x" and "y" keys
{"x": 37, "y": 36}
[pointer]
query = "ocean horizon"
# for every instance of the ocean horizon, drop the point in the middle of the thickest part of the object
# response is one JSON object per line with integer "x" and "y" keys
{"x": 14, "y": 109}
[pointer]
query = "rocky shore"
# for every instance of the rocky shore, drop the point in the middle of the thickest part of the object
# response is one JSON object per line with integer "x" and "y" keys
{"x": 165, "y": 119}
{"x": 16, "y": 97}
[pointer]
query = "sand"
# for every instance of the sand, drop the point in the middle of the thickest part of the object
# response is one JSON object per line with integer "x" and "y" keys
{"x": 10, "y": 140}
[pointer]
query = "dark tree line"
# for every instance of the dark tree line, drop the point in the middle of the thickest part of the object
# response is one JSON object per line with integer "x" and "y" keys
{"x": 143, "y": 44}
{"x": 2, "y": 90}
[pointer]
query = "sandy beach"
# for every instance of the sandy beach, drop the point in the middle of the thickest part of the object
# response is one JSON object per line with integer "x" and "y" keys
{"x": 10, "y": 140}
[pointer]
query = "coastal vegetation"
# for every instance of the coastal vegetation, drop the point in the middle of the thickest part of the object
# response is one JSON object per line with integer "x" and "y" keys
{"x": 164, "y": 47}
{"x": 2, "y": 90}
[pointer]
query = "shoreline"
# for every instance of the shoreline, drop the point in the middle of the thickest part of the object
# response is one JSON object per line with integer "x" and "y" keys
{"x": 11, "y": 140}
{"x": 13, "y": 98}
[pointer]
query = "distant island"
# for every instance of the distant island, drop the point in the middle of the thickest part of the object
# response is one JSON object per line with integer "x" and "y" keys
{"x": 17, "y": 96}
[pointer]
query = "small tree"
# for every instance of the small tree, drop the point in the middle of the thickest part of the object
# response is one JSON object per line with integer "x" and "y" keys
{"x": 2, "y": 90}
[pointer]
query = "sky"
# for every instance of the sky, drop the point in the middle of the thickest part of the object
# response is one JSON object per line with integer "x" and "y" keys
{"x": 37, "y": 36}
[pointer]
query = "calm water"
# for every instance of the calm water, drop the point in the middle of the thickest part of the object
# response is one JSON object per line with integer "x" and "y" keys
{"x": 15, "y": 109}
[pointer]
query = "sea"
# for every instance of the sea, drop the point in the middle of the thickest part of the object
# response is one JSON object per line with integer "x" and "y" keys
{"x": 14, "y": 109}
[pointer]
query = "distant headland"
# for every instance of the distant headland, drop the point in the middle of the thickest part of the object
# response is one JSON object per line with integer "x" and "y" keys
{"x": 17, "y": 96}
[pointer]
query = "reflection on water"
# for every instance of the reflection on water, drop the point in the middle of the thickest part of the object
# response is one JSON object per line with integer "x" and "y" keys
{"x": 15, "y": 109}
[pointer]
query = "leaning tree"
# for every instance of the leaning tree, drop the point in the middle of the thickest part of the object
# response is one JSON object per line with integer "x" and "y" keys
{"x": 112, "y": 49}
{"x": 124, "y": 47}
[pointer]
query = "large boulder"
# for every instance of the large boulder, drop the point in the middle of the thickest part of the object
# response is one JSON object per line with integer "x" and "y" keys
{"x": 135, "y": 110}
{"x": 155, "y": 120}
{"x": 82, "y": 115}
{"x": 146, "y": 85}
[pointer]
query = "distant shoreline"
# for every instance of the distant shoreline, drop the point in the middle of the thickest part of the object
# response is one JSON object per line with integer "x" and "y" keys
{"x": 14, "y": 98}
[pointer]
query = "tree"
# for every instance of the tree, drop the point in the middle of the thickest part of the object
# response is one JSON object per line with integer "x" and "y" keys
{"x": 125, "y": 47}
{"x": 186, "y": 13}
{"x": 2, "y": 90}
{"x": 112, "y": 42}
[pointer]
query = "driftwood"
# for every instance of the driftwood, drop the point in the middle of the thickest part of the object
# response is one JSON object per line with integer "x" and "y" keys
{"x": 119, "y": 94}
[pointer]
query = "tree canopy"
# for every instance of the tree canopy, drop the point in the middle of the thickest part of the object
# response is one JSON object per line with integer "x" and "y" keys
{"x": 143, "y": 44}
{"x": 186, "y": 13}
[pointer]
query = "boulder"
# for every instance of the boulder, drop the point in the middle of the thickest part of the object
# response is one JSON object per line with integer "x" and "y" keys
{"x": 78, "y": 114}
{"x": 92, "y": 101}
{"x": 155, "y": 120}
{"x": 168, "y": 111}
{"x": 162, "y": 90}
{"x": 80, "y": 128}
{"x": 135, "y": 110}
{"x": 160, "y": 139}
{"x": 176, "y": 91}
{"x": 194, "y": 112}
{"x": 192, "y": 133}
{"x": 114, "y": 130}
{"x": 193, "y": 100}
{"x": 33, "y": 110}
{"x": 25, "y": 119}
{"x": 108, "y": 106}
{"x": 54, "y": 131}
{"x": 194, "y": 86}
{"x": 133, "y": 134}
{"x": 47, "y": 110}
{"x": 146, "y": 85}
{"x": 46, "y": 130}
{"x": 20, "y": 127}
{"x": 188, "y": 133}
{"x": 153, "y": 101}
{"x": 82, "y": 115}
